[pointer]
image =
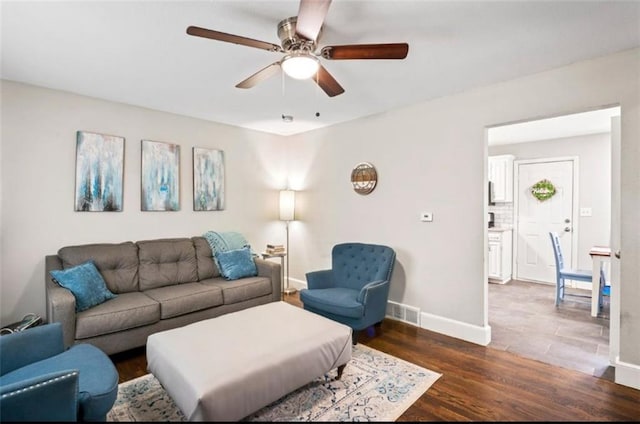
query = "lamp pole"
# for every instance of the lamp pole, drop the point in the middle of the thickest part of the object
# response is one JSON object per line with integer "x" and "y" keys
{"x": 288, "y": 289}
{"x": 287, "y": 214}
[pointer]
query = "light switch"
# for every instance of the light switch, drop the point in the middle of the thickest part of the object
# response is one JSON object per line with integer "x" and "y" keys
{"x": 585, "y": 211}
{"x": 426, "y": 217}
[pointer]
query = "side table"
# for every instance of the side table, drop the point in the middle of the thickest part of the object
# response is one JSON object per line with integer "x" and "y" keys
{"x": 29, "y": 321}
{"x": 266, "y": 255}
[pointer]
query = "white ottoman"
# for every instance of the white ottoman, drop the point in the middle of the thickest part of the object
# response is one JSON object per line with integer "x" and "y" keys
{"x": 225, "y": 368}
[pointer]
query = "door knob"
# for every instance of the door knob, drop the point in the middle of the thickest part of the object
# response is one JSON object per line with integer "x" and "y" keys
{"x": 567, "y": 220}
{"x": 617, "y": 254}
{"x": 567, "y": 229}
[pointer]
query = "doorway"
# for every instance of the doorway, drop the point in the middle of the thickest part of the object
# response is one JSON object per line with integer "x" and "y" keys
{"x": 577, "y": 159}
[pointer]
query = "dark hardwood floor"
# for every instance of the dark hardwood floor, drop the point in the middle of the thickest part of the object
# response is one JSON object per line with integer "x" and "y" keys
{"x": 478, "y": 383}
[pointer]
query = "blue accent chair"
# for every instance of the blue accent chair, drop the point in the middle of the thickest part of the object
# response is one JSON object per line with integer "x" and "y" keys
{"x": 563, "y": 273}
{"x": 355, "y": 290}
{"x": 41, "y": 381}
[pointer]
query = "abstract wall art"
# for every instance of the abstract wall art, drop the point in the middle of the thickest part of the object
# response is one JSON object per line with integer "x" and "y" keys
{"x": 99, "y": 172}
{"x": 160, "y": 176}
{"x": 208, "y": 179}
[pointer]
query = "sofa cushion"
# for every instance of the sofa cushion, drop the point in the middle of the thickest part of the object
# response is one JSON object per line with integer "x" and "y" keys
{"x": 338, "y": 301}
{"x": 235, "y": 264}
{"x": 241, "y": 290}
{"x": 207, "y": 267}
{"x": 128, "y": 310}
{"x": 184, "y": 298}
{"x": 117, "y": 262}
{"x": 164, "y": 262}
{"x": 86, "y": 284}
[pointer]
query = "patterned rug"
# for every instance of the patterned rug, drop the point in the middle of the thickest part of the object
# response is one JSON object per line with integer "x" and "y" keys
{"x": 374, "y": 387}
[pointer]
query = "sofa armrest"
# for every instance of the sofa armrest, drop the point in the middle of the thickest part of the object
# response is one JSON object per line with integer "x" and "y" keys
{"x": 48, "y": 397}
{"x": 322, "y": 279}
{"x": 273, "y": 271}
{"x": 61, "y": 304}
{"x": 29, "y": 346}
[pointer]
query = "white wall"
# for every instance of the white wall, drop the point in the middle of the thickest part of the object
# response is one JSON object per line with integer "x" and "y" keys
{"x": 38, "y": 179}
{"x": 594, "y": 182}
{"x": 432, "y": 157}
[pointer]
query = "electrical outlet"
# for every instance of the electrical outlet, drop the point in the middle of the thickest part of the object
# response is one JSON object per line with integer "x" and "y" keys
{"x": 426, "y": 217}
{"x": 585, "y": 211}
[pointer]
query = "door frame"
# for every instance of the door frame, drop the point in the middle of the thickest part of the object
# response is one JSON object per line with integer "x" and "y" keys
{"x": 574, "y": 211}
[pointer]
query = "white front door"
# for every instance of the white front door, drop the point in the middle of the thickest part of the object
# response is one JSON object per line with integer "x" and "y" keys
{"x": 535, "y": 218}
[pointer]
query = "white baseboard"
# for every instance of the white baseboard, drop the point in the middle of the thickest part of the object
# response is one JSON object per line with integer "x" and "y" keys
{"x": 627, "y": 374}
{"x": 297, "y": 284}
{"x": 582, "y": 285}
{"x": 457, "y": 329}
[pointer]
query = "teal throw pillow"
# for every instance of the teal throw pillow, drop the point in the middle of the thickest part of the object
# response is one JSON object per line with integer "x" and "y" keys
{"x": 237, "y": 263}
{"x": 86, "y": 284}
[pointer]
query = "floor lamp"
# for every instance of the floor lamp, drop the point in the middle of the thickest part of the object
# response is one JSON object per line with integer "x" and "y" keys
{"x": 287, "y": 214}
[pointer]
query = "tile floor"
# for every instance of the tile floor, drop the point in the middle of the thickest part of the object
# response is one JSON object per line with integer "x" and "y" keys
{"x": 524, "y": 320}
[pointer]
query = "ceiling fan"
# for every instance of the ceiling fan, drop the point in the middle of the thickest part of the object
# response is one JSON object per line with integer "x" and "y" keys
{"x": 299, "y": 37}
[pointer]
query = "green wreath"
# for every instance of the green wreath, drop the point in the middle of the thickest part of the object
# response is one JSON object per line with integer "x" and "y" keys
{"x": 543, "y": 190}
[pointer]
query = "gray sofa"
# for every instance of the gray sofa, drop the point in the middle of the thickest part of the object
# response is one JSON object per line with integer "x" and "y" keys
{"x": 161, "y": 284}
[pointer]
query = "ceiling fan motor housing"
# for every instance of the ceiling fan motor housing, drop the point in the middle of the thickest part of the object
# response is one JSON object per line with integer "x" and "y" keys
{"x": 290, "y": 40}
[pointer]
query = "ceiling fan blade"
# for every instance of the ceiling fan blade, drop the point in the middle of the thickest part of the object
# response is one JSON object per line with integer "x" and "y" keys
{"x": 311, "y": 14}
{"x": 260, "y": 76}
{"x": 366, "y": 51}
{"x": 327, "y": 82}
{"x": 230, "y": 38}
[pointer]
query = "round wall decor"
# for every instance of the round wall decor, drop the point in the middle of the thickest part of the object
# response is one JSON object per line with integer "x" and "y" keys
{"x": 543, "y": 190}
{"x": 364, "y": 178}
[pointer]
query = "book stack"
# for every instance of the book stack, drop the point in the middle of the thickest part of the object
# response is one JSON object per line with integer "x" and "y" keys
{"x": 275, "y": 249}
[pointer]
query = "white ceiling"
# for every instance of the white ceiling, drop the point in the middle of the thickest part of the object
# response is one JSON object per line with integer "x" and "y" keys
{"x": 576, "y": 124}
{"x": 137, "y": 52}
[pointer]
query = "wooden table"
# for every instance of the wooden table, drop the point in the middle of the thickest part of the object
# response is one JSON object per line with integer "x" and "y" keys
{"x": 599, "y": 254}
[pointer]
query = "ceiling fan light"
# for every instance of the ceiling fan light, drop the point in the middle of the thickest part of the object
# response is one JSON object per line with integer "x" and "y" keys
{"x": 300, "y": 66}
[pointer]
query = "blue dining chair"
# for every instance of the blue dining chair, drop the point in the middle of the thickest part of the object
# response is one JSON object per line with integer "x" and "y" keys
{"x": 563, "y": 273}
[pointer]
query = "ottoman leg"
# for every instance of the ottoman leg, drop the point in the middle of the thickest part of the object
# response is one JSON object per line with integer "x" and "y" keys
{"x": 340, "y": 370}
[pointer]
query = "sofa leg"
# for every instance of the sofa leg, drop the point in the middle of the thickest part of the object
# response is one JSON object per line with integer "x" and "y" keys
{"x": 378, "y": 324}
{"x": 354, "y": 337}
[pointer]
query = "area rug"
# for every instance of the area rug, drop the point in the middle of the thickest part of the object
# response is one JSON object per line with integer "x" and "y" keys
{"x": 375, "y": 386}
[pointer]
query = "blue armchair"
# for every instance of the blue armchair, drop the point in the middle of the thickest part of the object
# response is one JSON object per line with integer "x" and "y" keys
{"x": 41, "y": 381}
{"x": 355, "y": 290}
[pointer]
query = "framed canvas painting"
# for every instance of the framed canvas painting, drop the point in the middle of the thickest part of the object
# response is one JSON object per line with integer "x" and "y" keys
{"x": 208, "y": 179}
{"x": 99, "y": 172}
{"x": 160, "y": 176}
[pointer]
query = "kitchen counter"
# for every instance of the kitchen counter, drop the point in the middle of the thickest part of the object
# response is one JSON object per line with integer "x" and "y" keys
{"x": 499, "y": 229}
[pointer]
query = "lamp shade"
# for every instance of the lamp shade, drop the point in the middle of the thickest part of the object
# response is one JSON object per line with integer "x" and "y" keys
{"x": 287, "y": 205}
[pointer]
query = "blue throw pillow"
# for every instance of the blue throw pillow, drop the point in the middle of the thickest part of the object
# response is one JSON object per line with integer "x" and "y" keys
{"x": 236, "y": 263}
{"x": 86, "y": 284}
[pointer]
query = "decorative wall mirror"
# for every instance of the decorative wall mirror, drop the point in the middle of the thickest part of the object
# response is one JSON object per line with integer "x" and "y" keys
{"x": 364, "y": 178}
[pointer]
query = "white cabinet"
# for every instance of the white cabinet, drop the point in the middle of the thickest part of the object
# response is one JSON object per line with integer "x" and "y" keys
{"x": 500, "y": 256}
{"x": 501, "y": 174}
{"x": 494, "y": 259}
